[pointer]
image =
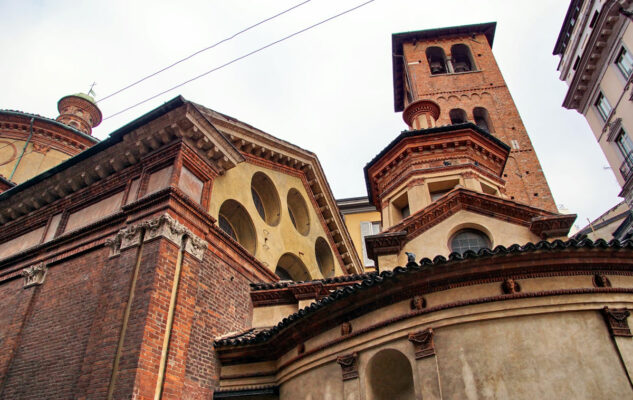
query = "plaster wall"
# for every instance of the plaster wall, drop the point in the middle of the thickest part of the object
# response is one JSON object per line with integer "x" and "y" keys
{"x": 435, "y": 241}
{"x": 21, "y": 242}
{"x": 322, "y": 383}
{"x": 32, "y": 163}
{"x": 273, "y": 241}
{"x": 562, "y": 356}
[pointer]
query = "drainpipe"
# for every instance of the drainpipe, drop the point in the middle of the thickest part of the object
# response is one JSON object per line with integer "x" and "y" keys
{"x": 15, "y": 167}
{"x": 170, "y": 321}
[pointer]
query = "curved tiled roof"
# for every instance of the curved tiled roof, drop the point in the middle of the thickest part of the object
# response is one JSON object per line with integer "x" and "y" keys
{"x": 50, "y": 121}
{"x": 370, "y": 280}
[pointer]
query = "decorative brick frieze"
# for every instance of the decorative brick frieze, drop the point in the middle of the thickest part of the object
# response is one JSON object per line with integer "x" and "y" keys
{"x": 617, "y": 321}
{"x": 162, "y": 226}
{"x": 34, "y": 275}
{"x": 423, "y": 342}
{"x": 349, "y": 365}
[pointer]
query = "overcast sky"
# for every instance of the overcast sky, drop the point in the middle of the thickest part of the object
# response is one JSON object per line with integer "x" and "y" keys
{"x": 328, "y": 90}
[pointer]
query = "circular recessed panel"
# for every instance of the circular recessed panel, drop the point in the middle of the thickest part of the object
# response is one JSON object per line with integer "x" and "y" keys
{"x": 324, "y": 257}
{"x": 265, "y": 198}
{"x": 8, "y": 152}
{"x": 298, "y": 211}
{"x": 290, "y": 267}
{"x": 235, "y": 221}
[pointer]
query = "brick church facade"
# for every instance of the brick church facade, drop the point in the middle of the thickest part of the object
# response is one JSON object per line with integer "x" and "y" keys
{"x": 143, "y": 267}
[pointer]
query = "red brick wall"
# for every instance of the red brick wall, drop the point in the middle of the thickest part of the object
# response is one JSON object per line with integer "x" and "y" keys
{"x": 486, "y": 88}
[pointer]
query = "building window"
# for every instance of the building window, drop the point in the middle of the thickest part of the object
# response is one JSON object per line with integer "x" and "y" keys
{"x": 515, "y": 144}
{"x": 368, "y": 228}
{"x": 458, "y": 116}
{"x": 462, "y": 60}
{"x": 437, "y": 60}
{"x": 237, "y": 223}
{"x": 625, "y": 145}
{"x": 575, "y": 67}
{"x": 594, "y": 19}
{"x": 624, "y": 61}
{"x": 469, "y": 239}
{"x": 265, "y": 198}
{"x": 603, "y": 106}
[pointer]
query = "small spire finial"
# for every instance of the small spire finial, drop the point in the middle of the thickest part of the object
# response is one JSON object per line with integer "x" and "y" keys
{"x": 91, "y": 91}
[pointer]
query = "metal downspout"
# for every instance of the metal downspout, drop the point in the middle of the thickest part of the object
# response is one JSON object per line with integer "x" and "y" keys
{"x": 15, "y": 167}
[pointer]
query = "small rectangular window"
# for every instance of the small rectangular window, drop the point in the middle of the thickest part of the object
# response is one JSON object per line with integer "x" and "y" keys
{"x": 624, "y": 61}
{"x": 603, "y": 106}
{"x": 575, "y": 67}
{"x": 368, "y": 228}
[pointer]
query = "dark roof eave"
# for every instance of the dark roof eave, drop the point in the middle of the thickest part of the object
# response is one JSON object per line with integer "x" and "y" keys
{"x": 424, "y": 265}
{"x": 412, "y": 133}
{"x": 559, "y": 41}
{"x": 114, "y": 138}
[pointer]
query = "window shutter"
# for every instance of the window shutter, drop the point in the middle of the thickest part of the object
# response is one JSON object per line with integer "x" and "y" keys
{"x": 366, "y": 230}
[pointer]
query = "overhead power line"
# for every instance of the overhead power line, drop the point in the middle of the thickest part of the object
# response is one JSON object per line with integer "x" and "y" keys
{"x": 203, "y": 50}
{"x": 240, "y": 58}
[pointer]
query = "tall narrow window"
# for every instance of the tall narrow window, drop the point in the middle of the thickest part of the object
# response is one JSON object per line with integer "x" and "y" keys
{"x": 594, "y": 19}
{"x": 437, "y": 60}
{"x": 625, "y": 145}
{"x": 603, "y": 106}
{"x": 461, "y": 58}
{"x": 458, "y": 116}
{"x": 624, "y": 61}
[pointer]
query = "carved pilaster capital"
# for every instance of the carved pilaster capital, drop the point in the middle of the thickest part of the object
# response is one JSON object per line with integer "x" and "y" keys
{"x": 617, "y": 321}
{"x": 161, "y": 226}
{"x": 423, "y": 342}
{"x": 349, "y": 365}
{"x": 34, "y": 275}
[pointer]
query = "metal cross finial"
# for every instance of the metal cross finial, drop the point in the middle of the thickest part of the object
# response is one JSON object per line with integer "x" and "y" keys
{"x": 91, "y": 90}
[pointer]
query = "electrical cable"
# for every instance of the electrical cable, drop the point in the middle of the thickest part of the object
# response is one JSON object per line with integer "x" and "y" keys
{"x": 240, "y": 58}
{"x": 203, "y": 50}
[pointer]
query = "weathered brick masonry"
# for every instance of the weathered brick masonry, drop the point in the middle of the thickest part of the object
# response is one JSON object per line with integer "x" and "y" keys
{"x": 76, "y": 328}
{"x": 482, "y": 87}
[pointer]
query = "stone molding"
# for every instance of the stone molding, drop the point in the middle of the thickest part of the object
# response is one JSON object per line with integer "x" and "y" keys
{"x": 34, "y": 275}
{"x": 423, "y": 342}
{"x": 617, "y": 321}
{"x": 349, "y": 365}
{"x": 161, "y": 226}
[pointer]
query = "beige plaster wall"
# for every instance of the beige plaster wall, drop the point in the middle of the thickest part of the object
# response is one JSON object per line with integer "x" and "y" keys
{"x": 273, "y": 241}
{"x": 322, "y": 383}
{"x": 32, "y": 162}
{"x": 94, "y": 212}
{"x": 549, "y": 356}
{"x": 435, "y": 241}
{"x": 21, "y": 242}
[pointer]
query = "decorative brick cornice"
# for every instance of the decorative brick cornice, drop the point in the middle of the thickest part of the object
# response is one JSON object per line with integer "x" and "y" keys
{"x": 161, "y": 226}
{"x": 349, "y": 365}
{"x": 423, "y": 343}
{"x": 617, "y": 321}
{"x": 34, "y": 275}
{"x": 543, "y": 223}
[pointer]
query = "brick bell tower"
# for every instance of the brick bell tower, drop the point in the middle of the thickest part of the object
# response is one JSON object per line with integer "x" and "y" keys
{"x": 455, "y": 69}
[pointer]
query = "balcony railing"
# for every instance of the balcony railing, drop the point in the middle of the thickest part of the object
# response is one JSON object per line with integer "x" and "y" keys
{"x": 626, "y": 169}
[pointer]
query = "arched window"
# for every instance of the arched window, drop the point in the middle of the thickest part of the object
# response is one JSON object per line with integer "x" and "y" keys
{"x": 390, "y": 376}
{"x": 437, "y": 60}
{"x": 290, "y": 267}
{"x": 458, "y": 116}
{"x": 298, "y": 211}
{"x": 461, "y": 58}
{"x": 482, "y": 119}
{"x": 237, "y": 223}
{"x": 324, "y": 257}
{"x": 469, "y": 239}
